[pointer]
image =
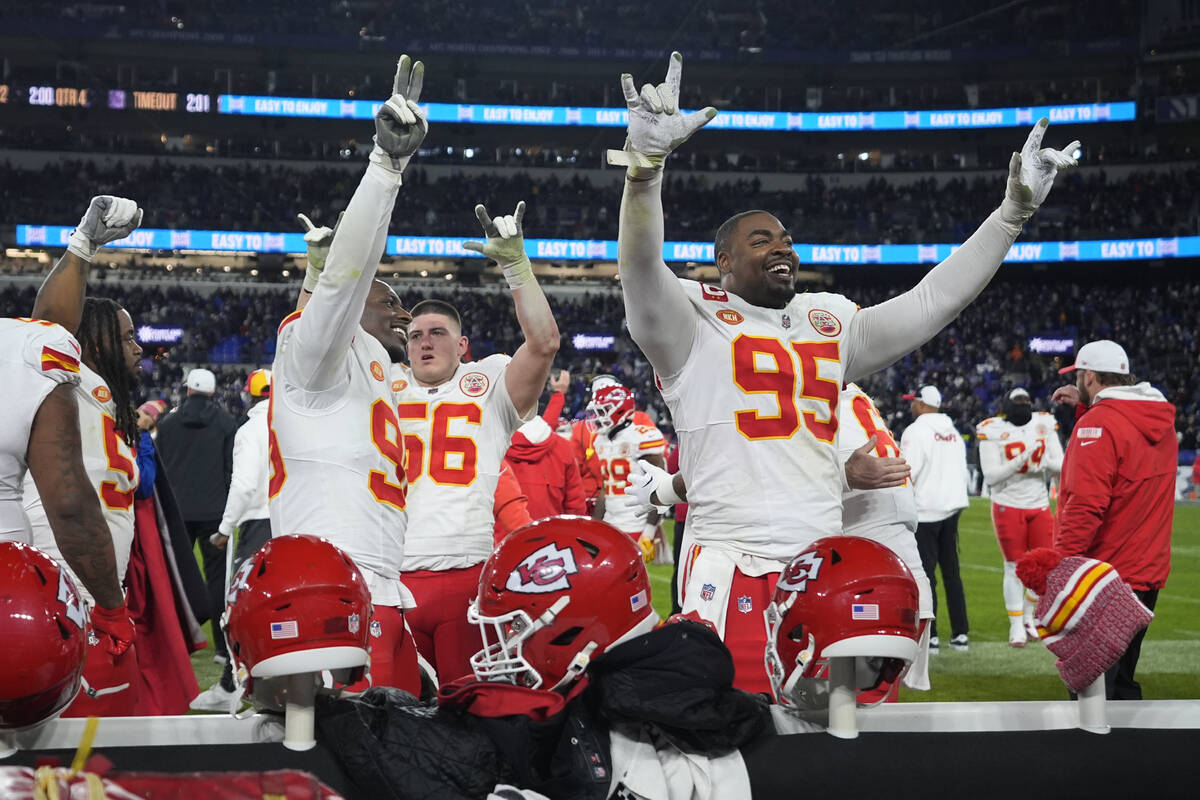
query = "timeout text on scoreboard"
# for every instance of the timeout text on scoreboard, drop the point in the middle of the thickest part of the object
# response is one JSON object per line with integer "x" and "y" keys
{"x": 433, "y": 247}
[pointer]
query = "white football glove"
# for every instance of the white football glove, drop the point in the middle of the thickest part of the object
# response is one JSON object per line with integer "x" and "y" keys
{"x": 655, "y": 125}
{"x": 505, "y": 244}
{"x": 647, "y": 481}
{"x": 318, "y": 240}
{"x": 400, "y": 124}
{"x": 107, "y": 219}
{"x": 1031, "y": 174}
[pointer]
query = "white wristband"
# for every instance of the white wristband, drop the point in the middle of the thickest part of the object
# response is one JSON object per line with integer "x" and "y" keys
{"x": 648, "y": 531}
{"x": 81, "y": 246}
{"x": 665, "y": 492}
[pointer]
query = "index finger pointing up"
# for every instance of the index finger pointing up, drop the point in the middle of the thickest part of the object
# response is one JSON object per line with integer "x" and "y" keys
{"x": 403, "y": 72}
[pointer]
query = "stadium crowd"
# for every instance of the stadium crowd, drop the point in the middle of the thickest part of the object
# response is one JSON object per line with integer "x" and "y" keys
{"x": 973, "y": 362}
{"x": 764, "y": 24}
{"x": 936, "y": 209}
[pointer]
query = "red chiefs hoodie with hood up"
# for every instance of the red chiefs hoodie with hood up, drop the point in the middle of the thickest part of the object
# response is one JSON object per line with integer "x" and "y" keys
{"x": 1117, "y": 496}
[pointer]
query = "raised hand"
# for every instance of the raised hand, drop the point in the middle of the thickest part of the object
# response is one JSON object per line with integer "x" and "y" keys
{"x": 656, "y": 126}
{"x": 505, "y": 244}
{"x": 400, "y": 124}
{"x": 1031, "y": 173}
{"x": 107, "y": 219}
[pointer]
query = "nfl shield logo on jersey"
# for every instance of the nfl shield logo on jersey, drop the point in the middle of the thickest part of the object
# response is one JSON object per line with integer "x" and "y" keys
{"x": 745, "y": 604}
{"x": 786, "y": 321}
{"x": 376, "y": 628}
{"x": 708, "y": 591}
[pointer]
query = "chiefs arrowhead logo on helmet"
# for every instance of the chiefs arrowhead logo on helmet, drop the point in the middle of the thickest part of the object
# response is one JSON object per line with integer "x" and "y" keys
{"x": 544, "y": 570}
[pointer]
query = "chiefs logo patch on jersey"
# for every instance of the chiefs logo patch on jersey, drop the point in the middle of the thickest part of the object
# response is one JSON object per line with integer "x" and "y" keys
{"x": 102, "y": 394}
{"x": 473, "y": 384}
{"x": 729, "y": 316}
{"x": 824, "y": 322}
{"x": 547, "y": 569}
{"x": 377, "y": 370}
{"x": 399, "y": 385}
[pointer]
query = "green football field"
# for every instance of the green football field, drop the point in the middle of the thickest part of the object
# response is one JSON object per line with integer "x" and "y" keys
{"x": 991, "y": 670}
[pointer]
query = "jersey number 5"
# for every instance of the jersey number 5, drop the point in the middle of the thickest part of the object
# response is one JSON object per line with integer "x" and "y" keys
{"x": 444, "y": 449}
{"x": 118, "y": 462}
{"x": 767, "y": 366}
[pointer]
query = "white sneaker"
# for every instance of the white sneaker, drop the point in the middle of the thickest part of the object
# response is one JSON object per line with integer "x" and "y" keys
{"x": 214, "y": 698}
{"x": 959, "y": 643}
{"x": 1031, "y": 632}
{"x": 1016, "y": 634}
{"x": 933, "y": 645}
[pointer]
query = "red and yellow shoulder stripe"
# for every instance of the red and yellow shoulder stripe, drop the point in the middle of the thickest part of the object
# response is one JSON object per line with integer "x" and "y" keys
{"x": 652, "y": 444}
{"x": 56, "y": 359}
{"x": 292, "y": 317}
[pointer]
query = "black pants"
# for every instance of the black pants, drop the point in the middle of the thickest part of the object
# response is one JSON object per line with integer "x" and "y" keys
{"x": 938, "y": 544}
{"x": 213, "y": 559}
{"x": 1118, "y": 681}
{"x": 675, "y": 548}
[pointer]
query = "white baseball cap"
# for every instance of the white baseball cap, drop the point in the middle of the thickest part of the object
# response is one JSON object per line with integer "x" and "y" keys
{"x": 928, "y": 395}
{"x": 202, "y": 381}
{"x": 1103, "y": 355}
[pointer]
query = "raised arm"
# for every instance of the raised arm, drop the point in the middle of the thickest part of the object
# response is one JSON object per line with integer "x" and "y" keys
{"x": 332, "y": 314}
{"x": 526, "y": 373}
{"x": 655, "y": 304}
{"x": 60, "y": 298}
{"x": 881, "y": 334}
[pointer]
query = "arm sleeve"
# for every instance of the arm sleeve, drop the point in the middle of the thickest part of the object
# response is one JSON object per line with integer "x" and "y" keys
{"x": 147, "y": 467}
{"x": 996, "y": 468}
{"x": 655, "y": 306}
{"x": 554, "y": 407}
{"x": 241, "y": 487}
{"x": 880, "y": 334}
{"x": 1052, "y": 461}
{"x": 1087, "y": 496}
{"x": 330, "y": 319}
{"x": 510, "y": 506}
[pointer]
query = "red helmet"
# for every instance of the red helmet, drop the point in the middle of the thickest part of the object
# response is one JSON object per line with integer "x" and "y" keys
{"x": 45, "y": 636}
{"x": 842, "y": 596}
{"x": 556, "y": 594}
{"x": 611, "y": 405}
{"x": 298, "y": 605}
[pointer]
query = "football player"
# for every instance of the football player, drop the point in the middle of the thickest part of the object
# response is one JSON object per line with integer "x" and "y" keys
{"x": 337, "y": 458}
{"x": 1018, "y": 450}
{"x": 108, "y": 369}
{"x": 752, "y": 372}
{"x": 458, "y": 420}
{"x": 620, "y": 443}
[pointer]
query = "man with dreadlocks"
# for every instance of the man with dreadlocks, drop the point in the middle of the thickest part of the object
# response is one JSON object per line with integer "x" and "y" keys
{"x": 108, "y": 434}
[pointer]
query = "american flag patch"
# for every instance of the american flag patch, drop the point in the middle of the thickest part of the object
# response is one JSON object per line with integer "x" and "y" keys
{"x": 639, "y": 601}
{"x": 284, "y": 630}
{"x": 864, "y": 611}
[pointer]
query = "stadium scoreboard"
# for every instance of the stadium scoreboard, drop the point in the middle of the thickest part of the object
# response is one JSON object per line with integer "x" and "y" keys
{"x": 112, "y": 99}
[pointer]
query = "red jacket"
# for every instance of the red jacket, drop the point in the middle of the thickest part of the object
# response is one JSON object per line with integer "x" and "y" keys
{"x": 548, "y": 475}
{"x": 1117, "y": 495}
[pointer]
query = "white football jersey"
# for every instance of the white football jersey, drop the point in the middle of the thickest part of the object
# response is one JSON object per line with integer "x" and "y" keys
{"x": 617, "y": 452}
{"x": 337, "y": 457}
{"x": 112, "y": 468}
{"x": 756, "y": 409}
{"x": 866, "y": 510}
{"x": 455, "y": 435}
{"x": 35, "y": 357}
{"x": 1000, "y": 441}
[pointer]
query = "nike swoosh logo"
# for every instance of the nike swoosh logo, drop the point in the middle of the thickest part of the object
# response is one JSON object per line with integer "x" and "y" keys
{"x": 1085, "y": 444}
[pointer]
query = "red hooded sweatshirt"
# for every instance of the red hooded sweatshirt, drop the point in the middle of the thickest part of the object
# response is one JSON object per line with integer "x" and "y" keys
{"x": 547, "y": 472}
{"x": 1117, "y": 495}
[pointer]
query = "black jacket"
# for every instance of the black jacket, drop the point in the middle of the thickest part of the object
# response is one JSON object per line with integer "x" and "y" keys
{"x": 677, "y": 678}
{"x": 195, "y": 444}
